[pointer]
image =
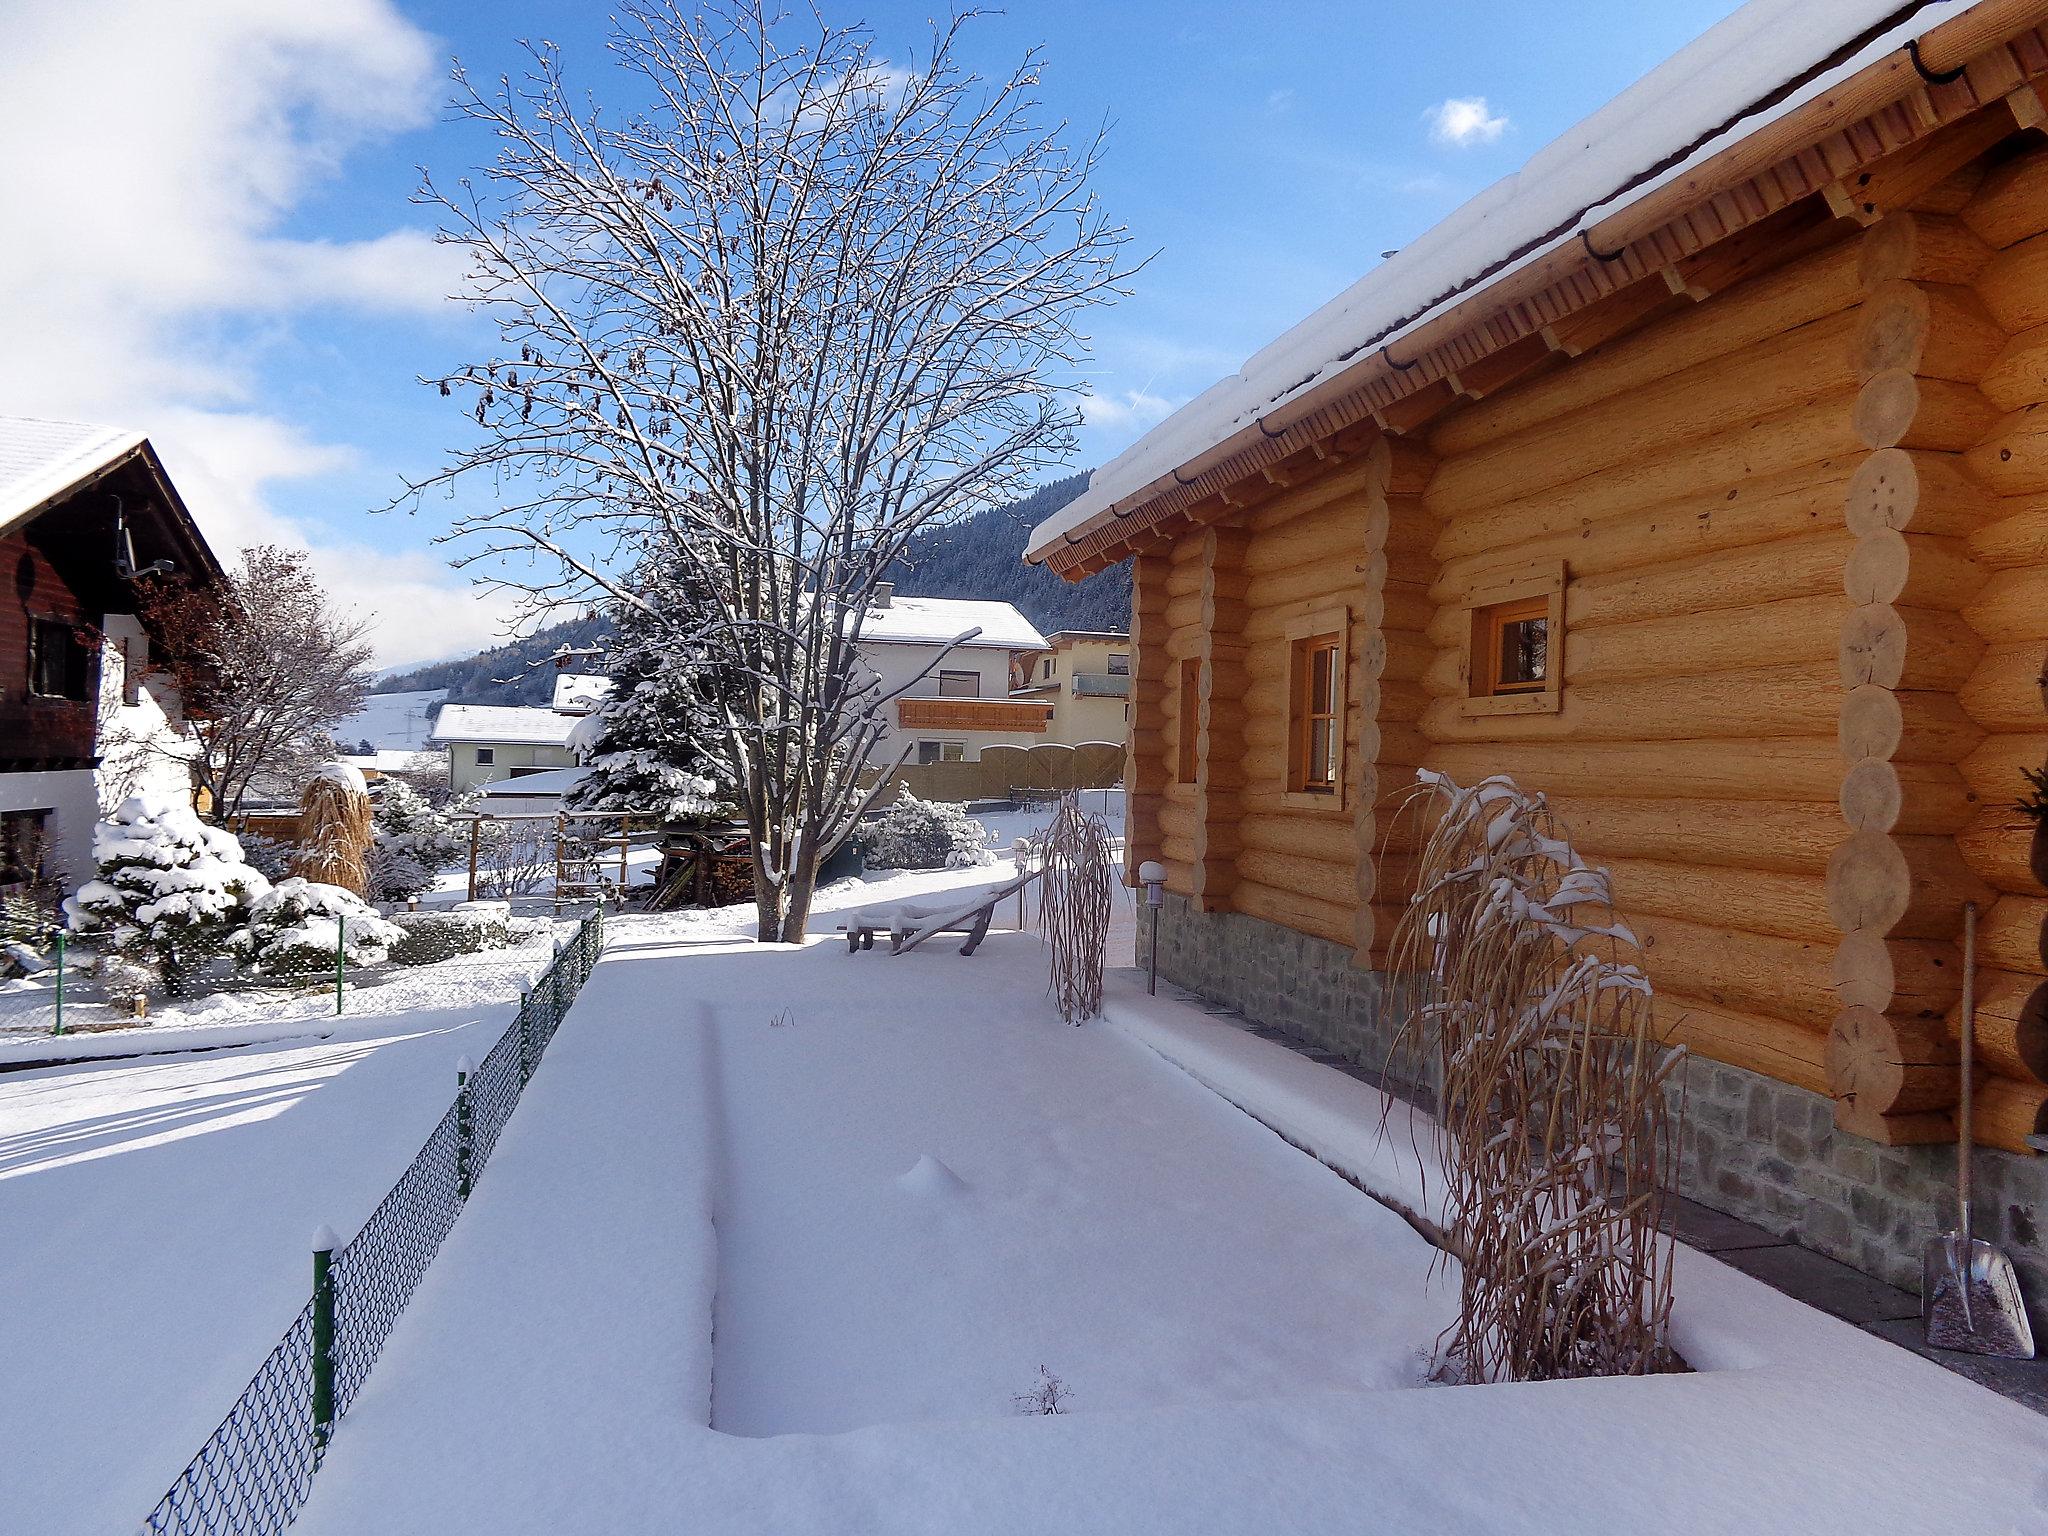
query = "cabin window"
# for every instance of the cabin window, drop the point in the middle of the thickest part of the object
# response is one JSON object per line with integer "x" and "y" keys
{"x": 1510, "y": 647}
{"x": 1514, "y": 653}
{"x": 486, "y": 756}
{"x": 959, "y": 685}
{"x": 24, "y": 835}
{"x": 59, "y": 666}
{"x": 1187, "y": 729}
{"x": 1119, "y": 665}
{"x": 941, "y": 752}
{"x": 1316, "y": 670}
{"x": 1048, "y": 668}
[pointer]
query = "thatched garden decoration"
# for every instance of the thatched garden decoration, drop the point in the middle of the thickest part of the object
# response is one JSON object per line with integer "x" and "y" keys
{"x": 1558, "y": 1099}
{"x": 335, "y": 829}
{"x": 1074, "y": 906}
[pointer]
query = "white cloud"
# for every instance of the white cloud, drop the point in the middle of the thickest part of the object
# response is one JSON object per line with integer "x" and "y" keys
{"x": 154, "y": 154}
{"x": 1127, "y": 410}
{"x": 1463, "y": 120}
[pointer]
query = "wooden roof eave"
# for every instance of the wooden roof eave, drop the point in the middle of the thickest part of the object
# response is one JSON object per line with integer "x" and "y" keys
{"x": 1967, "y": 63}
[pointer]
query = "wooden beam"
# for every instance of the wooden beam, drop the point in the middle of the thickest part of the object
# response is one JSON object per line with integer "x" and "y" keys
{"x": 1220, "y": 746}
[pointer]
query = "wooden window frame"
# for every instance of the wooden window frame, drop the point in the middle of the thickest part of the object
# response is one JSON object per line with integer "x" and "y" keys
{"x": 1187, "y": 762}
{"x": 43, "y": 629}
{"x": 1497, "y": 595}
{"x": 1328, "y": 628}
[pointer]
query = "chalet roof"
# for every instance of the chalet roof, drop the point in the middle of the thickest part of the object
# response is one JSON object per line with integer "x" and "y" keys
{"x": 1585, "y": 198}
{"x": 935, "y": 620}
{"x": 41, "y": 460}
{"x": 580, "y": 692}
{"x": 513, "y": 724}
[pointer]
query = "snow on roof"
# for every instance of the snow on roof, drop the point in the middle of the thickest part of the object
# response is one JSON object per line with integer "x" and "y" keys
{"x": 41, "y": 460}
{"x": 580, "y": 692}
{"x": 935, "y": 620}
{"x": 389, "y": 759}
{"x": 550, "y": 781}
{"x": 509, "y": 723}
{"x": 1718, "y": 89}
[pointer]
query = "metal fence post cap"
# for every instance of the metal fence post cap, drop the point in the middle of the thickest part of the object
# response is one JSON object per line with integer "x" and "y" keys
{"x": 324, "y": 1240}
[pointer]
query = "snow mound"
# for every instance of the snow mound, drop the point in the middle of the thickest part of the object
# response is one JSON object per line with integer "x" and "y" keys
{"x": 931, "y": 1179}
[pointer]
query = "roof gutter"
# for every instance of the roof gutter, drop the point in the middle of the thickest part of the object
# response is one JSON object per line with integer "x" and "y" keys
{"x": 1932, "y": 58}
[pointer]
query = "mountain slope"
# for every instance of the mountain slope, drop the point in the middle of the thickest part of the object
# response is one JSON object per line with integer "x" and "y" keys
{"x": 978, "y": 557}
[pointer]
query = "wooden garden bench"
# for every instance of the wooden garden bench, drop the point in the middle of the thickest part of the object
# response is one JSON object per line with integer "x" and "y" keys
{"x": 909, "y": 926}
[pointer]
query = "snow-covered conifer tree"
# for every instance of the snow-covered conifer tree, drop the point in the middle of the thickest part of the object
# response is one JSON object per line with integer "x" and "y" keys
{"x": 170, "y": 892}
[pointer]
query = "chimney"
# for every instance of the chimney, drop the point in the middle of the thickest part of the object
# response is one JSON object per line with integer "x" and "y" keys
{"x": 883, "y": 591}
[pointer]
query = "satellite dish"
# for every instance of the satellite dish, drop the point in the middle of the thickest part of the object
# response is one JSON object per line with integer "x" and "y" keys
{"x": 124, "y": 550}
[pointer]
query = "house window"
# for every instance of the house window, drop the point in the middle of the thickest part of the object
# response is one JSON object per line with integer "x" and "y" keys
{"x": 1119, "y": 665}
{"x": 23, "y": 838}
{"x": 486, "y": 756}
{"x": 959, "y": 685}
{"x": 941, "y": 752}
{"x": 1190, "y": 719}
{"x": 1514, "y": 653}
{"x": 1048, "y": 668}
{"x": 1510, "y": 647}
{"x": 1316, "y": 673}
{"x": 59, "y": 666}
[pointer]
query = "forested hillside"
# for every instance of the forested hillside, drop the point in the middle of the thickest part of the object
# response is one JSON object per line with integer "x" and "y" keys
{"x": 980, "y": 556}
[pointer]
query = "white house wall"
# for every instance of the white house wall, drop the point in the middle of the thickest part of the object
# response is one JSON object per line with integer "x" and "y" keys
{"x": 144, "y": 747}
{"x": 71, "y": 797}
{"x": 896, "y": 664}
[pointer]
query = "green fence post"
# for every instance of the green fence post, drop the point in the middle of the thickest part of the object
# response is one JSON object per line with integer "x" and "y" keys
{"x": 323, "y": 1337}
{"x": 340, "y": 958}
{"x": 525, "y": 1039}
{"x": 60, "y": 984}
{"x": 463, "y": 1129}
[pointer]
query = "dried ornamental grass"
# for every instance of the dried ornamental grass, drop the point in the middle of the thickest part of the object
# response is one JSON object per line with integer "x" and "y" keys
{"x": 1559, "y": 1136}
{"x": 1074, "y": 906}
{"x": 335, "y": 830}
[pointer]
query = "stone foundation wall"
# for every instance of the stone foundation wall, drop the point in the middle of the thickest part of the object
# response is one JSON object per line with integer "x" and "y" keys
{"x": 1754, "y": 1147}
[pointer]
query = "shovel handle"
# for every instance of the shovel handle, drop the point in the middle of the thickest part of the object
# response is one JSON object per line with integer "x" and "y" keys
{"x": 1966, "y": 1094}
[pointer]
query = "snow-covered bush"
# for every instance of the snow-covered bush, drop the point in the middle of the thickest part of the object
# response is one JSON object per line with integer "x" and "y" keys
{"x": 427, "y": 937}
{"x": 295, "y": 928}
{"x": 414, "y": 842}
{"x": 170, "y": 892}
{"x": 924, "y": 834}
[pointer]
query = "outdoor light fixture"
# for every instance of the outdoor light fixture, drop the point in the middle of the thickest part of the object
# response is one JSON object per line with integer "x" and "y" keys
{"x": 1152, "y": 875}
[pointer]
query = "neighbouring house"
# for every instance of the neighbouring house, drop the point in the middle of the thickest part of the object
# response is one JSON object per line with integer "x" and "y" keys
{"x": 487, "y": 742}
{"x": 88, "y": 517}
{"x": 1085, "y": 675}
{"x": 956, "y": 703}
{"x": 1696, "y": 476}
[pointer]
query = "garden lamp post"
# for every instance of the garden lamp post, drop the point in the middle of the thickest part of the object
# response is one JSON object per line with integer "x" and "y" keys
{"x": 1152, "y": 875}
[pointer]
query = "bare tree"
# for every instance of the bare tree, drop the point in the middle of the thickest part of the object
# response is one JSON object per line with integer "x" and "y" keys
{"x": 800, "y": 302}
{"x": 266, "y": 666}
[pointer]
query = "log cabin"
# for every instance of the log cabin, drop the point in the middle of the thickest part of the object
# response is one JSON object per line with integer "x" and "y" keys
{"x": 1697, "y": 477}
{"x": 88, "y": 517}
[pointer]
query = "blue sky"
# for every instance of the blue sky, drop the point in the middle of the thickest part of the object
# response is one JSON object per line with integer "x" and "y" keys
{"x": 216, "y": 243}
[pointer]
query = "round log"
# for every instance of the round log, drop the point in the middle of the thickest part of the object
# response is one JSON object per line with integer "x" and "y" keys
{"x": 2012, "y": 606}
{"x": 1868, "y": 884}
{"x": 2003, "y": 692}
{"x": 1745, "y": 972}
{"x": 1885, "y": 408}
{"x": 2012, "y": 1023}
{"x": 1920, "y": 247}
{"x": 2018, "y": 376}
{"x": 1883, "y": 1065}
{"x": 1997, "y": 846}
{"x": 1911, "y": 977}
{"x": 1872, "y": 646}
{"x": 2016, "y": 533}
{"x": 2014, "y": 285}
{"x": 1781, "y": 770}
{"x": 1902, "y": 488}
{"x": 1749, "y": 901}
{"x": 1871, "y": 796}
{"x": 2011, "y": 203}
{"x": 1778, "y": 701}
{"x": 1912, "y": 570}
{"x": 1773, "y": 1047}
{"x": 1993, "y": 771}
{"x": 2011, "y": 458}
{"x": 1916, "y": 726}
{"x": 1893, "y": 332}
{"x": 1767, "y": 573}
{"x": 2011, "y": 936}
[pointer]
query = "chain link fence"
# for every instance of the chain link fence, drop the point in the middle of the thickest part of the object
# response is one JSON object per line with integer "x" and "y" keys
{"x": 438, "y": 959}
{"x": 255, "y": 1472}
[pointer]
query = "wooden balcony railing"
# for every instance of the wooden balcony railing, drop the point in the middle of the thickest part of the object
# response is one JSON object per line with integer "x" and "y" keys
{"x": 1019, "y": 715}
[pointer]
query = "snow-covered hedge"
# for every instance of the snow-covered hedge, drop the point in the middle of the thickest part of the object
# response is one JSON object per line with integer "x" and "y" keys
{"x": 170, "y": 892}
{"x": 924, "y": 834}
{"x": 425, "y": 937}
{"x": 295, "y": 928}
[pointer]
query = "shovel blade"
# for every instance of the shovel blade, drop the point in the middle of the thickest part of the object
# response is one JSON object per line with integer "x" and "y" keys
{"x": 1970, "y": 1300}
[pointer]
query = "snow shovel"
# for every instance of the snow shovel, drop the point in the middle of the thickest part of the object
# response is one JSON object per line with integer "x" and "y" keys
{"x": 1969, "y": 1295}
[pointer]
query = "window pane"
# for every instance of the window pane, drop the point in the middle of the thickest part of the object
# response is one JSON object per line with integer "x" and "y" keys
{"x": 1119, "y": 666}
{"x": 959, "y": 685}
{"x": 952, "y": 751}
{"x": 1322, "y": 680}
{"x": 1322, "y": 753}
{"x": 1524, "y": 652}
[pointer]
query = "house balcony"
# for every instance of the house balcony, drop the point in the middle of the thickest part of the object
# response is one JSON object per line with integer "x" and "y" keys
{"x": 1012, "y": 716}
{"x": 1102, "y": 685}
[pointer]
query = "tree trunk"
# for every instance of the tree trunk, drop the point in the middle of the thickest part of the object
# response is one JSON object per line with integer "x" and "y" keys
{"x": 781, "y": 912}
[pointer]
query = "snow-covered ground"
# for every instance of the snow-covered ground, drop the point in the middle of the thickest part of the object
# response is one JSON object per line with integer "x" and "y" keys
{"x": 389, "y": 720}
{"x": 779, "y": 1235}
